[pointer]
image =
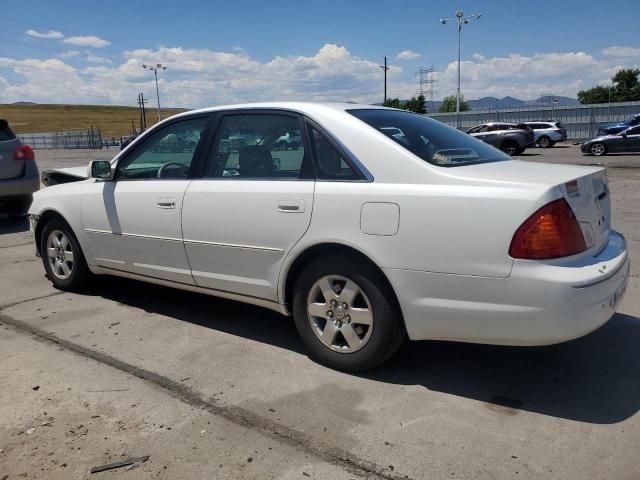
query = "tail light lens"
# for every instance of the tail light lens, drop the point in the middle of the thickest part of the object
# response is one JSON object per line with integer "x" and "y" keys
{"x": 24, "y": 152}
{"x": 551, "y": 232}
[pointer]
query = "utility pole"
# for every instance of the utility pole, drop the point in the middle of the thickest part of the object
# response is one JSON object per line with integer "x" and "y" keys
{"x": 155, "y": 68}
{"x": 385, "y": 68}
{"x": 460, "y": 21}
{"x": 144, "y": 111}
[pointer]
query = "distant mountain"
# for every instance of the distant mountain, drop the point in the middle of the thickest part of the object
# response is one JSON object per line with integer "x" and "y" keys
{"x": 486, "y": 103}
{"x": 24, "y": 103}
{"x": 553, "y": 100}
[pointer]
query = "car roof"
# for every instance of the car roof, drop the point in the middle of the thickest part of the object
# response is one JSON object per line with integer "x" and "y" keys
{"x": 304, "y": 107}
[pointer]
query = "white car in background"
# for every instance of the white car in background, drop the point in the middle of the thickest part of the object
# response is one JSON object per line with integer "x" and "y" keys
{"x": 547, "y": 134}
{"x": 364, "y": 235}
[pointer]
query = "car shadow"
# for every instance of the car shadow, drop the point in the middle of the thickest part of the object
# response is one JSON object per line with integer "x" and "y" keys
{"x": 8, "y": 225}
{"x": 528, "y": 155}
{"x": 593, "y": 379}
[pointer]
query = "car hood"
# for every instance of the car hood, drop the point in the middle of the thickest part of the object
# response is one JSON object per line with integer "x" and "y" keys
{"x": 600, "y": 138}
{"x": 55, "y": 176}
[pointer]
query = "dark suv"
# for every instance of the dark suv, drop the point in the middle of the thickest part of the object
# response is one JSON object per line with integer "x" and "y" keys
{"x": 18, "y": 173}
{"x": 511, "y": 138}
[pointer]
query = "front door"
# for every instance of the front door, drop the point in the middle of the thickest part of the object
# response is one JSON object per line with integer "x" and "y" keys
{"x": 133, "y": 221}
{"x": 252, "y": 205}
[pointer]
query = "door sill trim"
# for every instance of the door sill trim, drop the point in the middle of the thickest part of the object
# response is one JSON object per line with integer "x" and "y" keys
{"x": 260, "y": 302}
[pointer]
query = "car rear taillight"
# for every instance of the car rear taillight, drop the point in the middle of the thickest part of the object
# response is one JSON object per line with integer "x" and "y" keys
{"x": 23, "y": 152}
{"x": 551, "y": 232}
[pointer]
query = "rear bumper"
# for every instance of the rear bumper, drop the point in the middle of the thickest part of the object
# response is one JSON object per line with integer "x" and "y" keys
{"x": 540, "y": 303}
{"x": 22, "y": 186}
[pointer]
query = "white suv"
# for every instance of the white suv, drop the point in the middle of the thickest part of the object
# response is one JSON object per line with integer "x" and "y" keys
{"x": 548, "y": 133}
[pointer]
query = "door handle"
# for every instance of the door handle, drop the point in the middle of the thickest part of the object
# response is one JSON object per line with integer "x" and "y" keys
{"x": 291, "y": 206}
{"x": 166, "y": 202}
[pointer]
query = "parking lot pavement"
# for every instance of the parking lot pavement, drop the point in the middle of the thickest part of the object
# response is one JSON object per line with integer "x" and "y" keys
{"x": 436, "y": 410}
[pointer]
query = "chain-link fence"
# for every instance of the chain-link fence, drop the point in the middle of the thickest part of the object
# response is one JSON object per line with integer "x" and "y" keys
{"x": 90, "y": 138}
{"x": 581, "y": 121}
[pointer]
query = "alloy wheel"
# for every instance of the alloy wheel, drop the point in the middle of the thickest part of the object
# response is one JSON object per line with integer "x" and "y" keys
{"x": 598, "y": 149}
{"x": 60, "y": 254}
{"x": 340, "y": 313}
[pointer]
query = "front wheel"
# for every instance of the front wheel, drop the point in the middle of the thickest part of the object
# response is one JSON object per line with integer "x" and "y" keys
{"x": 545, "y": 142}
{"x": 62, "y": 257}
{"x": 598, "y": 149}
{"x": 346, "y": 314}
{"x": 510, "y": 147}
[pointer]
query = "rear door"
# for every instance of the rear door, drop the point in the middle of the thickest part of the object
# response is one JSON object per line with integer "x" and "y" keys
{"x": 252, "y": 204}
{"x": 9, "y": 168}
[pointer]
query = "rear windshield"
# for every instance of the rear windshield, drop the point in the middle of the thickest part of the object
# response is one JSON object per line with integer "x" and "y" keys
{"x": 432, "y": 141}
{"x": 5, "y": 131}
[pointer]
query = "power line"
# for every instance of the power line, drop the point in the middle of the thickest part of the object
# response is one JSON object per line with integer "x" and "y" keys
{"x": 426, "y": 85}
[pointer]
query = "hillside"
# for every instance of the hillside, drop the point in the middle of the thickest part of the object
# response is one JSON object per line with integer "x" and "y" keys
{"x": 112, "y": 121}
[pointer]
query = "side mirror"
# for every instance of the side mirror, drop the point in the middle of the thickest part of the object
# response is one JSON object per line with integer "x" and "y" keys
{"x": 623, "y": 134}
{"x": 99, "y": 169}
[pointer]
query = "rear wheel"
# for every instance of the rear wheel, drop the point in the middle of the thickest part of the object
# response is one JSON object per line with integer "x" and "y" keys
{"x": 510, "y": 147}
{"x": 346, "y": 314}
{"x": 545, "y": 142}
{"x": 62, "y": 257}
{"x": 598, "y": 149}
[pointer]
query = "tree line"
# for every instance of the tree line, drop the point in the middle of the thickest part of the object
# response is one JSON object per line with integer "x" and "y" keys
{"x": 625, "y": 87}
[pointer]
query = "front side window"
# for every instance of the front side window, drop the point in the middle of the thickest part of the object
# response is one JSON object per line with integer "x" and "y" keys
{"x": 257, "y": 146}
{"x": 166, "y": 154}
{"x": 633, "y": 131}
{"x": 429, "y": 139}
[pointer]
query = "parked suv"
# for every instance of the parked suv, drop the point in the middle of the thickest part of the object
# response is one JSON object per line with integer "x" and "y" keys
{"x": 614, "y": 128}
{"x": 547, "y": 134}
{"x": 511, "y": 138}
{"x": 18, "y": 173}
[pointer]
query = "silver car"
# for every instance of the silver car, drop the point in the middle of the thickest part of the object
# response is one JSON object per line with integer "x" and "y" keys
{"x": 511, "y": 138}
{"x": 548, "y": 133}
{"x": 18, "y": 173}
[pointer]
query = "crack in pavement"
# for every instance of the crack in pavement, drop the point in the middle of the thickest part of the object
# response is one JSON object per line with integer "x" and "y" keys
{"x": 20, "y": 302}
{"x": 239, "y": 416}
{"x": 17, "y": 245}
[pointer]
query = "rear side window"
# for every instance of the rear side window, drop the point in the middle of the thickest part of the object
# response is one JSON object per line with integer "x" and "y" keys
{"x": 329, "y": 163}
{"x": 6, "y": 133}
{"x": 432, "y": 141}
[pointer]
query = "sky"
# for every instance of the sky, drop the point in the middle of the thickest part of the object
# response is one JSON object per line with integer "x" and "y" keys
{"x": 244, "y": 51}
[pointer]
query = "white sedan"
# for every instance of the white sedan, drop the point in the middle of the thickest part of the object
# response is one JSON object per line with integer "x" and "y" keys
{"x": 381, "y": 224}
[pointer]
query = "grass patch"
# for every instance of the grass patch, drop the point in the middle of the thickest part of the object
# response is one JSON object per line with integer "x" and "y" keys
{"x": 111, "y": 120}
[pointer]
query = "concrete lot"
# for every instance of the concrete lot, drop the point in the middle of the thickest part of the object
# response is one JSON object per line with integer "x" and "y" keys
{"x": 216, "y": 389}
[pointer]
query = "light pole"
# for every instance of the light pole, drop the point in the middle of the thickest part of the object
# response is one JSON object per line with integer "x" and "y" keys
{"x": 460, "y": 21}
{"x": 155, "y": 68}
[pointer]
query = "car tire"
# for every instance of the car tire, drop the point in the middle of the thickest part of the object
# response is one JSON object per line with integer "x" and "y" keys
{"x": 376, "y": 330}
{"x": 74, "y": 276}
{"x": 545, "y": 142}
{"x": 598, "y": 149}
{"x": 510, "y": 147}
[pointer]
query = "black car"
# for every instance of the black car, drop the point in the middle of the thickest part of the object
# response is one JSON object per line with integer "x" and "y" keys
{"x": 627, "y": 141}
{"x": 613, "y": 128}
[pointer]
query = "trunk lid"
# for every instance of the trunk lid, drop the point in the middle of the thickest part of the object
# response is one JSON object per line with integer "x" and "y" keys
{"x": 589, "y": 198}
{"x": 585, "y": 189}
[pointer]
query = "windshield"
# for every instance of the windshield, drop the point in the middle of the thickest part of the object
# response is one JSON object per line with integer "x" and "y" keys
{"x": 432, "y": 141}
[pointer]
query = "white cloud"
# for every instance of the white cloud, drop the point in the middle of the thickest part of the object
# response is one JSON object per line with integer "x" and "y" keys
{"x": 621, "y": 52}
{"x": 69, "y": 54}
{"x": 50, "y": 34}
{"x": 91, "y": 58}
{"x": 408, "y": 55}
{"x": 87, "y": 41}
{"x": 201, "y": 77}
